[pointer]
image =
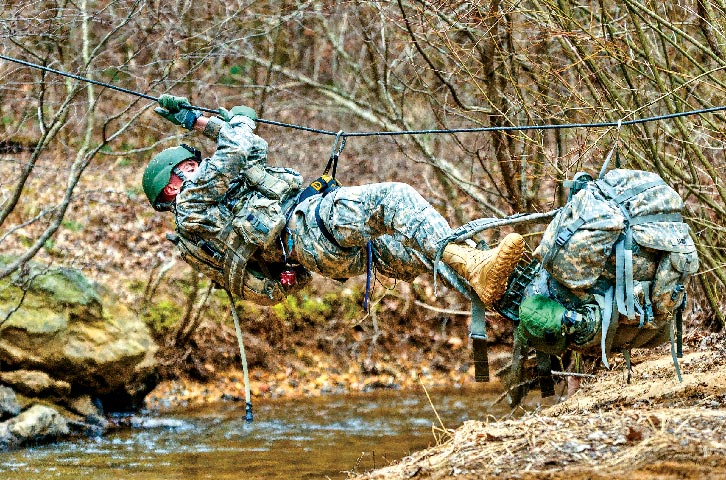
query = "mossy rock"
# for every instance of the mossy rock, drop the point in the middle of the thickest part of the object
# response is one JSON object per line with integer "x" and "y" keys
{"x": 60, "y": 323}
{"x": 53, "y": 288}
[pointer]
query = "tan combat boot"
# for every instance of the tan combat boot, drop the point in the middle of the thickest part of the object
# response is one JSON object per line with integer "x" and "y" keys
{"x": 486, "y": 270}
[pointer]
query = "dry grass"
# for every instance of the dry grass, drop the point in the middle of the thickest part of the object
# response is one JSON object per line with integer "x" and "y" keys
{"x": 653, "y": 428}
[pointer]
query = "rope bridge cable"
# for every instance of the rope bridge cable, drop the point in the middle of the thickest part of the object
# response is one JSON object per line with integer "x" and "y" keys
{"x": 617, "y": 123}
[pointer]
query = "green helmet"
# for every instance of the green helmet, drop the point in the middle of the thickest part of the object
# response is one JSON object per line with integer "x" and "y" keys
{"x": 158, "y": 171}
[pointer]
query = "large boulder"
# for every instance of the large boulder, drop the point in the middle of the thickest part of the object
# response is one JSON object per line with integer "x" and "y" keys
{"x": 67, "y": 343}
{"x": 9, "y": 405}
{"x": 61, "y": 326}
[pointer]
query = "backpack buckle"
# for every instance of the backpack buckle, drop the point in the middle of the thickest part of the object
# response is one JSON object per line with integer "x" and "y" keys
{"x": 564, "y": 236}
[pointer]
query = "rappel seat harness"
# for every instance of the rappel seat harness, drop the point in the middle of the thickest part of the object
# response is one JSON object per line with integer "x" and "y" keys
{"x": 324, "y": 185}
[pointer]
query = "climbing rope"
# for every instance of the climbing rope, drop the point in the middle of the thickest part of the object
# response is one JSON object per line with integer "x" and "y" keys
{"x": 338, "y": 134}
{"x": 243, "y": 358}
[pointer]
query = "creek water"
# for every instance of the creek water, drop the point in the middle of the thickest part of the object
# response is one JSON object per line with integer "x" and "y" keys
{"x": 325, "y": 437}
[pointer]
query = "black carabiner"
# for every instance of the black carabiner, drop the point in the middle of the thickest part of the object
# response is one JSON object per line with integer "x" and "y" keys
{"x": 335, "y": 152}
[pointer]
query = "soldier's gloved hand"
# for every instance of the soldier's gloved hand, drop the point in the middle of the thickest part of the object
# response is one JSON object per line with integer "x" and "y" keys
{"x": 172, "y": 109}
{"x": 227, "y": 115}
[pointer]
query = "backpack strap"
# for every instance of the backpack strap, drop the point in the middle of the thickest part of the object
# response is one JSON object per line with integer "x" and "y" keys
{"x": 563, "y": 236}
{"x": 679, "y": 326}
{"x": 647, "y": 305}
{"x": 478, "y": 335}
{"x": 609, "y": 323}
{"x": 544, "y": 374}
{"x": 628, "y": 364}
{"x": 674, "y": 353}
{"x": 658, "y": 217}
{"x": 630, "y": 192}
{"x": 624, "y": 274}
{"x": 624, "y": 283}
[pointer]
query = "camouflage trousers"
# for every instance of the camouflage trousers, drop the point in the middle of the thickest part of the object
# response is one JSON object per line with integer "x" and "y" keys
{"x": 404, "y": 229}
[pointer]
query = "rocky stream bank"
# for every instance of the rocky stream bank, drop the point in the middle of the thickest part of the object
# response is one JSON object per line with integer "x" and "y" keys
{"x": 69, "y": 353}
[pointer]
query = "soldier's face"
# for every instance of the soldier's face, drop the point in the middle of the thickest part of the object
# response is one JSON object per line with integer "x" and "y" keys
{"x": 189, "y": 168}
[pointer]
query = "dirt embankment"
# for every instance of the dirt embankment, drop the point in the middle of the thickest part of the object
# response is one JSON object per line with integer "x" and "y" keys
{"x": 652, "y": 428}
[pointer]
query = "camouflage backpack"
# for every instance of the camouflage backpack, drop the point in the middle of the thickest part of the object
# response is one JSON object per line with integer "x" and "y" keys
{"x": 623, "y": 230}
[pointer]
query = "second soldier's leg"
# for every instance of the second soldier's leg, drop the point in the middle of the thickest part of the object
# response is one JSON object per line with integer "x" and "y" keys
{"x": 353, "y": 216}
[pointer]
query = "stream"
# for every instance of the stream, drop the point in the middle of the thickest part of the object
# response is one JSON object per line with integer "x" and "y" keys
{"x": 325, "y": 437}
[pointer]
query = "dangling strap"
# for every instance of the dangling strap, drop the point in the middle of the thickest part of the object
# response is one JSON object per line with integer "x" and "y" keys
{"x": 369, "y": 274}
{"x": 619, "y": 268}
{"x": 674, "y": 355}
{"x": 478, "y": 335}
{"x": 628, "y": 273}
{"x": 624, "y": 274}
{"x": 628, "y": 365}
{"x": 607, "y": 316}
{"x": 647, "y": 304}
{"x": 544, "y": 374}
{"x": 243, "y": 357}
{"x": 679, "y": 326}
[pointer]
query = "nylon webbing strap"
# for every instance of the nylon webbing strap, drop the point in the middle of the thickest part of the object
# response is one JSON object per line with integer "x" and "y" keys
{"x": 607, "y": 315}
{"x": 619, "y": 269}
{"x": 647, "y": 305}
{"x": 323, "y": 229}
{"x": 478, "y": 335}
{"x": 624, "y": 274}
{"x": 563, "y": 236}
{"x": 679, "y": 326}
{"x": 628, "y": 274}
{"x": 636, "y": 190}
{"x": 674, "y": 355}
{"x": 544, "y": 374}
{"x": 628, "y": 363}
{"x": 658, "y": 217}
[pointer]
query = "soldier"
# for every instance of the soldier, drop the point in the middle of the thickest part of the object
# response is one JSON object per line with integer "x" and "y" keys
{"x": 254, "y": 230}
{"x": 610, "y": 273}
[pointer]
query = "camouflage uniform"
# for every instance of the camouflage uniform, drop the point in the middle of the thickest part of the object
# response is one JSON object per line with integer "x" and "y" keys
{"x": 214, "y": 207}
{"x": 405, "y": 231}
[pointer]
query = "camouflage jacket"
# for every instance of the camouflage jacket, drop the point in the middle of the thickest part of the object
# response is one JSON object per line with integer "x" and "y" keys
{"x": 231, "y": 214}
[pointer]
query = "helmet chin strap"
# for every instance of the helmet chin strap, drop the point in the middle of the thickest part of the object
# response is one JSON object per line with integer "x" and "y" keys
{"x": 187, "y": 176}
{"x": 164, "y": 206}
{"x": 179, "y": 173}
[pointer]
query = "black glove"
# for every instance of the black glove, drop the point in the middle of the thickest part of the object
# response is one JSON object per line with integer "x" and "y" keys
{"x": 173, "y": 109}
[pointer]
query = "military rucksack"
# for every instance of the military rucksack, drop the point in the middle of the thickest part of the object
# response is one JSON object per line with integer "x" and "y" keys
{"x": 623, "y": 230}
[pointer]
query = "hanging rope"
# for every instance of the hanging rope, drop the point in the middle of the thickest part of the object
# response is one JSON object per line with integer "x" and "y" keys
{"x": 243, "y": 357}
{"x": 617, "y": 123}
